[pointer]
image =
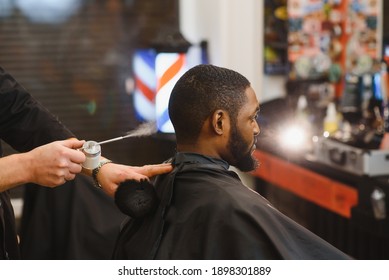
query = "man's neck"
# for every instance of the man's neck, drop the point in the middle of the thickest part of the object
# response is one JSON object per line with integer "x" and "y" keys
{"x": 198, "y": 149}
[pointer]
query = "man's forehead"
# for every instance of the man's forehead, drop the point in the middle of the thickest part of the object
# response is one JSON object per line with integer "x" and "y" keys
{"x": 252, "y": 99}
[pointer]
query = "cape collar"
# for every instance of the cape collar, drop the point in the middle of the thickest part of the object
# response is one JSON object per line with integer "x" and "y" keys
{"x": 198, "y": 158}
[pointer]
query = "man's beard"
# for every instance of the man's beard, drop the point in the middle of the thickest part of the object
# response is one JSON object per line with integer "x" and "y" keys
{"x": 243, "y": 158}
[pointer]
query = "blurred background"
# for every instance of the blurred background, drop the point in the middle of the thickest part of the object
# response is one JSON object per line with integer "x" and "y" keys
{"x": 321, "y": 64}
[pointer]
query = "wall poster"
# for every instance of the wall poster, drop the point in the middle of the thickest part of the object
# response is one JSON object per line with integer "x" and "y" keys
{"x": 328, "y": 38}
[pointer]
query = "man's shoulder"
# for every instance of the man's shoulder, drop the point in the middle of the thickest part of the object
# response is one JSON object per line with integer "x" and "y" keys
{"x": 222, "y": 189}
{"x": 212, "y": 172}
{"x": 209, "y": 179}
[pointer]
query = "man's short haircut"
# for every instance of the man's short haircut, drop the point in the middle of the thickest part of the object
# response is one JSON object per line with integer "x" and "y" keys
{"x": 199, "y": 93}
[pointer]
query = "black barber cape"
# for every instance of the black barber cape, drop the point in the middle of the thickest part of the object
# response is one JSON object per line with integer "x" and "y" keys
{"x": 206, "y": 212}
{"x": 24, "y": 124}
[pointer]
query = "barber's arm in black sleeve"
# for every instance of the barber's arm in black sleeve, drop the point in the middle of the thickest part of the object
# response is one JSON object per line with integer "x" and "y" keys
{"x": 24, "y": 122}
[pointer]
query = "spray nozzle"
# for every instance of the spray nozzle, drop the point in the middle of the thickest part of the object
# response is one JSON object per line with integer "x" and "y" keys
{"x": 92, "y": 149}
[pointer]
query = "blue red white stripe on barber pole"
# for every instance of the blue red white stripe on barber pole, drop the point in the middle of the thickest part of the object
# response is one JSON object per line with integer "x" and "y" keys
{"x": 196, "y": 270}
{"x": 145, "y": 84}
{"x": 155, "y": 75}
{"x": 169, "y": 68}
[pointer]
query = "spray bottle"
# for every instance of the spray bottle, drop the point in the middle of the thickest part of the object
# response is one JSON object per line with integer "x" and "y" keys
{"x": 330, "y": 124}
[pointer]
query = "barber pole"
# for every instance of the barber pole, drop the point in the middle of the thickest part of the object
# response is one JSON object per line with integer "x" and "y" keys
{"x": 145, "y": 84}
{"x": 169, "y": 68}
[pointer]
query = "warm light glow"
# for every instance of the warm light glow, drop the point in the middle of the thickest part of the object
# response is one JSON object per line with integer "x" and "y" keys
{"x": 293, "y": 138}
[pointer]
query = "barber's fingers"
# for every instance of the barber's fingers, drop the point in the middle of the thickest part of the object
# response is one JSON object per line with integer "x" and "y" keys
{"x": 154, "y": 169}
{"x": 73, "y": 143}
{"x": 74, "y": 168}
{"x": 70, "y": 172}
{"x": 77, "y": 156}
{"x": 56, "y": 180}
{"x": 73, "y": 154}
{"x": 70, "y": 176}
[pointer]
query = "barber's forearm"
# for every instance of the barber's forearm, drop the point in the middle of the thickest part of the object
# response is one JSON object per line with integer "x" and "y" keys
{"x": 14, "y": 171}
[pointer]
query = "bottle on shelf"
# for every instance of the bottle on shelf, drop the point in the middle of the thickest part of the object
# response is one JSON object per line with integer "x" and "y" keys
{"x": 331, "y": 120}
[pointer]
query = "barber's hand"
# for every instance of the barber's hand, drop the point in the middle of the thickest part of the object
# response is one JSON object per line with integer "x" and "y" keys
{"x": 112, "y": 174}
{"x": 55, "y": 163}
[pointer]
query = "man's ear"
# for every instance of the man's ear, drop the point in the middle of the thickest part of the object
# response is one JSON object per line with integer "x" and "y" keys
{"x": 219, "y": 121}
